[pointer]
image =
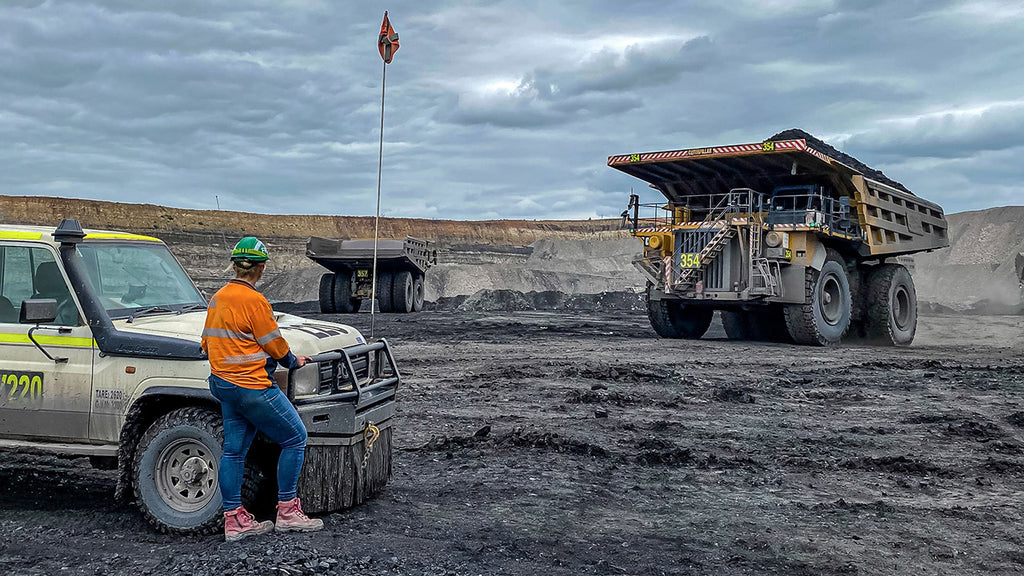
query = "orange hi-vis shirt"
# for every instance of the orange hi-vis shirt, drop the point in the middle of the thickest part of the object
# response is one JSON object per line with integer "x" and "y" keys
{"x": 241, "y": 337}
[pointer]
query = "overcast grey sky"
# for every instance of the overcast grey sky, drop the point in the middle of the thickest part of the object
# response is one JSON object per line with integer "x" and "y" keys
{"x": 494, "y": 109}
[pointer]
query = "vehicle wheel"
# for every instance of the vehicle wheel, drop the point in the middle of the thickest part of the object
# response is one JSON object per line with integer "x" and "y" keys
{"x": 384, "y": 283}
{"x": 175, "y": 472}
{"x": 327, "y": 293}
{"x": 740, "y": 325}
{"x": 673, "y": 319}
{"x": 402, "y": 294}
{"x": 419, "y": 292}
{"x": 824, "y": 317}
{"x": 772, "y": 322}
{"x": 760, "y": 325}
{"x": 891, "y": 306}
{"x": 343, "y": 293}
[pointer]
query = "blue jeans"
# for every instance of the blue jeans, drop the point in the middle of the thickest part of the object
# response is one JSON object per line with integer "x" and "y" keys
{"x": 245, "y": 411}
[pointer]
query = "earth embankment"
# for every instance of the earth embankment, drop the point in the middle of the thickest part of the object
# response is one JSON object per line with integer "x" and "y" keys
{"x": 980, "y": 271}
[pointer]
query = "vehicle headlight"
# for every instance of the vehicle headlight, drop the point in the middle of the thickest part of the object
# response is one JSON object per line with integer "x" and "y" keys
{"x": 773, "y": 239}
{"x": 654, "y": 242}
{"x": 306, "y": 380}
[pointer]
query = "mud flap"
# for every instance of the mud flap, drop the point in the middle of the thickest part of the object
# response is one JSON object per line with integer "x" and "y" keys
{"x": 333, "y": 477}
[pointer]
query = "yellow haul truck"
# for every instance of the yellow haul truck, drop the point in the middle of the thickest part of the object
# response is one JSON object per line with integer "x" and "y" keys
{"x": 786, "y": 240}
{"x": 99, "y": 341}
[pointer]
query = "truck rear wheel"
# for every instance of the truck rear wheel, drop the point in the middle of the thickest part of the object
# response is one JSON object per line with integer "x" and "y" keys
{"x": 419, "y": 293}
{"x": 343, "y": 301}
{"x": 175, "y": 472}
{"x": 766, "y": 324}
{"x": 402, "y": 294}
{"x": 384, "y": 283}
{"x": 824, "y": 317}
{"x": 673, "y": 319}
{"x": 891, "y": 306}
{"x": 741, "y": 325}
{"x": 327, "y": 293}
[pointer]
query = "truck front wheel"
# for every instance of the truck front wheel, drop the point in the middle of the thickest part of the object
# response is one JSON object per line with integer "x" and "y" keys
{"x": 384, "y": 284}
{"x": 343, "y": 301}
{"x": 824, "y": 317}
{"x": 403, "y": 295}
{"x": 673, "y": 319}
{"x": 419, "y": 291}
{"x": 175, "y": 472}
{"x": 327, "y": 293}
{"x": 891, "y": 306}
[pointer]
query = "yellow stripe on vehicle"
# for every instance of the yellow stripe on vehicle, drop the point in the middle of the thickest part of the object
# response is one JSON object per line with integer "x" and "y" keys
{"x": 16, "y": 235}
{"x": 52, "y": 340}
{"x": 118, "y": 236}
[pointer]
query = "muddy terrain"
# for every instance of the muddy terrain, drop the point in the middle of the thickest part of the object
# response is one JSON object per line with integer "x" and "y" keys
{"x": 578, "y": 443}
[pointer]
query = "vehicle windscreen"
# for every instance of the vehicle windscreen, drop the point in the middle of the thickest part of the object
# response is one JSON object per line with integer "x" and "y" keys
{"x": 133, "y": 278}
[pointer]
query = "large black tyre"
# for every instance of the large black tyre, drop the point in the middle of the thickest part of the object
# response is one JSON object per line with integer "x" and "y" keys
{"x": 673, "y": 319}
{"x": 740, "y": 325}
{"x": 327, "y": 293}
{"x": 402, "y": 294}
{"x": 766, "y": 324}
{"x": 772, "y": 322}
{"x": 891, "y": 316}
{"x": 824, "y": 318}
{"x": 174, "y": 473}
{"x": 343, "y": 294}
{"x": 419, "y": 293}
{"x": 384, "y": 284}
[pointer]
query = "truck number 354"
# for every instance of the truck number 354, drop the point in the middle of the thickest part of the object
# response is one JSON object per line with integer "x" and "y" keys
{"x": 689, "y": 260}
{"x": 22, "y": 386}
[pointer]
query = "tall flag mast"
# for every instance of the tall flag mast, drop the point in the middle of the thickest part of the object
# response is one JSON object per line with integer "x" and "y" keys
{"x": 387, "y": 44}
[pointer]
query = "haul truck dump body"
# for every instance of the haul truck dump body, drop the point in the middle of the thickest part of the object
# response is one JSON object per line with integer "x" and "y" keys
{"x": 786, "y": 240}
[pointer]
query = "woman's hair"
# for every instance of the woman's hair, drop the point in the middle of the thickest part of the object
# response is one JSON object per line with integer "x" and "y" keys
{"x": 245, "y": 269}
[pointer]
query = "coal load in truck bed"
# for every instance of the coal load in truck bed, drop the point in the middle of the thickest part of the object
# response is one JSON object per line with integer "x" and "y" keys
{"x": 820, "y": 146}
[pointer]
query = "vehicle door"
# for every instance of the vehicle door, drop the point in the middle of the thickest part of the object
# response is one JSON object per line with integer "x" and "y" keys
{"x": 42, "y": 398}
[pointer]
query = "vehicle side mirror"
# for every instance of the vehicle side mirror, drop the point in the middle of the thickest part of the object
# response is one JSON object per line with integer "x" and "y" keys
{"x": 38, "y": 311}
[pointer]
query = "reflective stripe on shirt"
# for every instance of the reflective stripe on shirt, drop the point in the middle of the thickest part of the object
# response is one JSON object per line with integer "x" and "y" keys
{"x": 246, "y": 358}
{"x": 225, "y": 333}
{"x": 269, "y": 337}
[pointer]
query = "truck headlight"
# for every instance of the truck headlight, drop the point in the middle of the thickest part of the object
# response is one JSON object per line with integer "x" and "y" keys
{"x": 654, "y": 242}
{"x": 773, "y": 239}
{"x": 307, "y": 380}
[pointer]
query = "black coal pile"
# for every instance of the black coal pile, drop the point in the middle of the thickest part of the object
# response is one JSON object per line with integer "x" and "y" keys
{"x": 821, "y": 146}
{"x": 548, "y": 300}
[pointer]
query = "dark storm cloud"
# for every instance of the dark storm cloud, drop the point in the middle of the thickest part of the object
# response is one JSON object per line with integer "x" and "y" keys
{"x": 497, "y": 110}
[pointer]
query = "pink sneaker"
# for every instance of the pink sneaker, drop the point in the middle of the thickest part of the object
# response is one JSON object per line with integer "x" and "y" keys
{"x": 291, "y": 518}
{"x": 238, "y": 524}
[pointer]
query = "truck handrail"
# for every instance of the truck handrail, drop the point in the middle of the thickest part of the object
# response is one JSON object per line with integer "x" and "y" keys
{"x": 357, "y": 390}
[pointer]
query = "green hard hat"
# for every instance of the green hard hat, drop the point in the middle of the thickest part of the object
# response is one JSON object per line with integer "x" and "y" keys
{"x": 251, "y": 249}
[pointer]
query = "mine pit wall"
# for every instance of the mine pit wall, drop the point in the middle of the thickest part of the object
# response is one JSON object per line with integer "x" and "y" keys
{"x": 977, "y": 272}
{"x": 589, "y": 256}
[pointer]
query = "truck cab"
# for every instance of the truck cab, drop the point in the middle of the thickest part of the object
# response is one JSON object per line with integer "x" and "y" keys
{"x": 99, "y": 335}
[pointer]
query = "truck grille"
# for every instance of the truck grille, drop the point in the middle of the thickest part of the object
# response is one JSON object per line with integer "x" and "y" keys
{"x": 361, "y": 363}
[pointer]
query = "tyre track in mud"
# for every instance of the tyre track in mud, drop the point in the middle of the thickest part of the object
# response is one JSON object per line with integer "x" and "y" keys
{"x": 580, "y": 444}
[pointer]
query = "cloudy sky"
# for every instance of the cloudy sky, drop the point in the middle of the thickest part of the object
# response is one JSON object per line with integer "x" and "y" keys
{"x": 493, "y": 109}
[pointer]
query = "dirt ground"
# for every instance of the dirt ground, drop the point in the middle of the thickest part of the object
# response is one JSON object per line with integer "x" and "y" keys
{"x": 557, "y": 443}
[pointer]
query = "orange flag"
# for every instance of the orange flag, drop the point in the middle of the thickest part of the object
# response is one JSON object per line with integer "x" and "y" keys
{"x": 388, "y": 41}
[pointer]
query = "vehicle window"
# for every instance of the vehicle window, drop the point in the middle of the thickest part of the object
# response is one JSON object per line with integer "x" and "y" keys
{"x": 33, "y": 273}
{"x": 128, "y": 277}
